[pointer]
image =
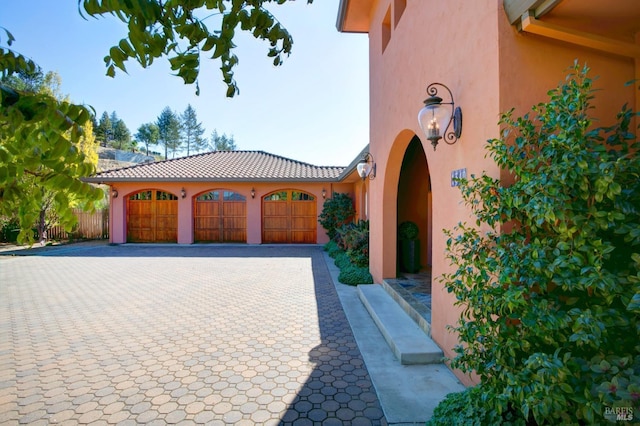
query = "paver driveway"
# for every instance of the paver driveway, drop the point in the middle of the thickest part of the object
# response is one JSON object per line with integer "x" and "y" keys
{"x": 149, "y": 334}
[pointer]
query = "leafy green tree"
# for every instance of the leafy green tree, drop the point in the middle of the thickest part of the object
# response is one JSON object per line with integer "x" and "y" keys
{"x": 148, "y": 134}
{"x": 169, "y": 131}
{"x": 39, "y": 138}
{"x": 222, "y": 143}
{"x": 174, "y": 29}
{"x": 192, "y": 131}
{"x": 549, "y": 278}
{"x": 155, "y": 29}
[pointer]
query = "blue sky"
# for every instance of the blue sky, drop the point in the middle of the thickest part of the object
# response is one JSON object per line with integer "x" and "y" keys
{"x": 313, "y": 108}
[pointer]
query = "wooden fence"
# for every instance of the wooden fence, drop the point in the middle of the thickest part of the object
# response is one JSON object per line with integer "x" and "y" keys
{"x": 92, "y": 226}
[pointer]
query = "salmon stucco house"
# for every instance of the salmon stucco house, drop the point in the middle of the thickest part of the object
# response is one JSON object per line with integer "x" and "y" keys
{"x": 223, "y": 196}
{"x": 491, "y": 55}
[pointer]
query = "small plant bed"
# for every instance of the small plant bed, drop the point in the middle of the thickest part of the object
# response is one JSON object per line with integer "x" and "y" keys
{"x": 350, "y": 251}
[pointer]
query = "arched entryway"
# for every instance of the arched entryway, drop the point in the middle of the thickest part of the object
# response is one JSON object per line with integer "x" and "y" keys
{"x": 414, "y": 202}
{"x": 289, "y": 216}
{"x": 220, "y": 216}
{"x": 152, "y": 217}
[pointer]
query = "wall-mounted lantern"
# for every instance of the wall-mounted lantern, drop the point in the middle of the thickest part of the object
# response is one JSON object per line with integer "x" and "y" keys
{"x": 114, "y": 193}
{"x": 183, "y": 193}
{"x": 436, "y": 117}
{"x": 253, "y": 193}
{"x": 324, "y": 193}
{"x": 367, "y": 167}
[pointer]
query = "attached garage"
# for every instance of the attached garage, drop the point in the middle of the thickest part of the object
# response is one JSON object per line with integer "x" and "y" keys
{"x": 249, "y": 197}
{"x": 220, "y": 216}
{"x": 289, "y": 217}
{"x": 152, "y": 217}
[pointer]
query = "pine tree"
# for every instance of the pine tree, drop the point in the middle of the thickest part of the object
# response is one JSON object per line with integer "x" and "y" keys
{"x": 192, "y": 131}
{"x": 222, "y": 143}
{"x": 104, "y": 130}
{"x": 169, "y": 130}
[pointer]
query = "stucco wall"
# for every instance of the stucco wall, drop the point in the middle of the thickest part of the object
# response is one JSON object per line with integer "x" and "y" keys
{"x": 118, "y": 226}
{"x": 489, "y": 67}
{"x": 454, "y": 43}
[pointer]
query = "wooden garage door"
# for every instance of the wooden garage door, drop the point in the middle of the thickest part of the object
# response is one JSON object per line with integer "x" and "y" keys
{"x": 152, "y": 217}
{"x": 289, "y": 217}
{"x": 220, "y": 216}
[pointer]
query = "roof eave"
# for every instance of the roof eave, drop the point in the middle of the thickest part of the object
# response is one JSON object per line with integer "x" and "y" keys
{"x": 353, "y": 16}
{"x": 106, "y": 180}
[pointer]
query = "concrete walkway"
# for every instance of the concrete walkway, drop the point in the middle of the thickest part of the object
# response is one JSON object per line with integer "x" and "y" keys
{"x": 98, "y": 334}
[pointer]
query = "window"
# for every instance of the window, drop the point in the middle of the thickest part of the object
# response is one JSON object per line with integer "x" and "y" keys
{"x": 386, "y": 29}
{"x": 165, "y": 196}
{"x": 277, "y": 196}
{"x": 233, "y": 196}
{"x": 301, "y": 196}
{"x": 144, "y": 195}
{"x": 398, "y": 9}
{"x": 209, "y": 196}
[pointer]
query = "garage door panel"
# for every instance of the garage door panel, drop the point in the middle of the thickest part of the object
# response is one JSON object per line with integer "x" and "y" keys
{"x": 289, "y": 217}
{"x": 272, "y": 223}
{"x": 152, "y": 216}
{"x": 207, "y": 209}
{"x": 276, "y": 237}
{"x": 303, "y": 208}
{"x": 275, "y": 208}
{"x": 234, "y": 209}
{"x": 303, "y": 223}
{"x": 303, "y": 237}
{"x": 220, "y": 216}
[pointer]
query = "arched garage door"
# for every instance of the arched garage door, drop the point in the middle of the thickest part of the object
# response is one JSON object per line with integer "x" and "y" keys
{"x": 289, "y": 217}
{"x": 152, "y": 217}
{"x": 220, "y": 216}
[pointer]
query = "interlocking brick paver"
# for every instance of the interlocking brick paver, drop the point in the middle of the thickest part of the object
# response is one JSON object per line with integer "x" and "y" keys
{"x": 181, "y": 335}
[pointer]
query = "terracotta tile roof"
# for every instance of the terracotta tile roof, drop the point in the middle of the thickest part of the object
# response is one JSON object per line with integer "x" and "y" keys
{"x": 222, "y": 166}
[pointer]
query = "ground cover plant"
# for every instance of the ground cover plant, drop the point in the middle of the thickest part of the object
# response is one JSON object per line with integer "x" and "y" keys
{"x": 549, "y": 275}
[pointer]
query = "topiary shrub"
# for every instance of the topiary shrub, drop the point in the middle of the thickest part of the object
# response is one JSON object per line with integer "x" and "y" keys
{"x": 549, "y": 278}
{"x": 354, "y": 275}
{"x": 336, "y": 211}
{"x": 408, "y": 231}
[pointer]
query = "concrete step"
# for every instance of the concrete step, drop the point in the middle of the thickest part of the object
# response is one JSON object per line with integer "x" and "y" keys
{"x": 407, "y": 340}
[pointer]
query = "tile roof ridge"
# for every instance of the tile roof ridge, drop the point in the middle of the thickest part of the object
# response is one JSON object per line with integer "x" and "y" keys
{"x": 297, "y": 161}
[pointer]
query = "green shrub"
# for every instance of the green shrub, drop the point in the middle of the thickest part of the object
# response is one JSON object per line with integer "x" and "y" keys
{"x": 342, "y": 260}
{"x": 353, "y": 238}
{"x": 354, "y": 275}
{"x": 550, "y": 288}
{"x": 336, "y": 211}
{"x": 470, "y": 408}
{"x": 9, "y": 229}
{"x": 332, "y": 249}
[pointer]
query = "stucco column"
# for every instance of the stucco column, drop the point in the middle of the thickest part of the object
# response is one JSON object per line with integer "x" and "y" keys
{"x": 185, "y": 220}
{"x": 254, "y": 219}
{"x": 117, "y": 222}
